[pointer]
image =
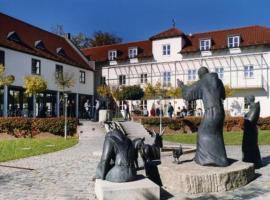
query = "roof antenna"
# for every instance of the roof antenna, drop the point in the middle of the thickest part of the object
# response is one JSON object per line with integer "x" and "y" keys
{"x": 173, "y": 23}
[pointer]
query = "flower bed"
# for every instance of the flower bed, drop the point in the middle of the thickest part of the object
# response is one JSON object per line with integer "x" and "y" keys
{"x": 28, "y": 127}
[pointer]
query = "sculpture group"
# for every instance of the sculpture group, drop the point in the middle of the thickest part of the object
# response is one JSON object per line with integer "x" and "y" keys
{"x": 119, "y": 160}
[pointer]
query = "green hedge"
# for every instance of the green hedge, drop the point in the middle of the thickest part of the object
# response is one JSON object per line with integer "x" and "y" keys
{"x": 27, "y": 127}
{"x": 230, "y": 123}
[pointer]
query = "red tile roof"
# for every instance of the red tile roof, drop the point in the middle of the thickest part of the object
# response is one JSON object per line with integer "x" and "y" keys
{"x": 29, "y": 34}
{"x": 170, "y": 33}
{"x": 100, "y": 54}
{"x": 251, "y": 35}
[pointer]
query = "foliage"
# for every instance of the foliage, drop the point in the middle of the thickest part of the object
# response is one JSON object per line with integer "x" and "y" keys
{"x": 27, "y": 127}
{"x": 154, "y": 92}
{"x": 64, "y": 81}
{"x": 174, "y": 92}
{"x": 104, "y": 91}
{"x": 80, "y": 40}
{"x": 228, "y": 91}
{"x": 133, "y": 92}
{"x": 34, "y": 84}
{"x": 117, "y": 94}
{"x": 5, "y": 79}
{"x": 13, "y": 149}
{"x": 101, "y": 38}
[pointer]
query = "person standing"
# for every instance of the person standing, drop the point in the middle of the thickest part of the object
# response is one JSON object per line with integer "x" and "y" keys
{"x": 170, "y": 110}
{"x": 86, "y": 109}
{"x": 96, "y": 116}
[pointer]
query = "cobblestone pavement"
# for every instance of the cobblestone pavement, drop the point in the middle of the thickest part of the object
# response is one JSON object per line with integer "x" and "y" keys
{"x": 68, "y": 174}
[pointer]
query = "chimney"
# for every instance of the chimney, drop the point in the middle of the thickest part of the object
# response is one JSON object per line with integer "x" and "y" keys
{"x": 67, "y": 36}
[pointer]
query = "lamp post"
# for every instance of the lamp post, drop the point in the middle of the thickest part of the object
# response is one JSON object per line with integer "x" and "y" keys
{"x": 65, "y": 98}
{"x": 160, "y": 115}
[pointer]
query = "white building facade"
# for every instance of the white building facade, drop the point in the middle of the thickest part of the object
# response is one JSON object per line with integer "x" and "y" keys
{"x": 240, "y": 56}
{"x": 27, "y": 50}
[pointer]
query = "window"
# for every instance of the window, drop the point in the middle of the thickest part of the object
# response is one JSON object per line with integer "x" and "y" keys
{"x": 220, "y": 72}
{"x": 233, "y": 41}
{"x": 166, "y": 49}
{"x": 2, "y": 58}
{"x": 245, "y": 103}
{"x": 191, "y": 74}
{"x": 143, "y": 78}
{"x": 205, "y": 45}
{"x": 248, "y": 71}
{"x": 166, "y": 79}
{"x": 82, "y": 76}
{"x": 122, "y": 79}
{"x": 35, "y": 66}
{"x": 112, "y": 55}
{"x": 58, "y": 70}
{"x": 132, "y": 52}
{"x": 143, "y": 104}
{"x": 103, "y": 80}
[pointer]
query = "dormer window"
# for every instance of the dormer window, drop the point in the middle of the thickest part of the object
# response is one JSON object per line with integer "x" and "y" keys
{"x": 132, "y": 52}
{"x": 13, "y": 36}
{"x": 234, "y": 41}
{"x": 60, "y": 51}
{"x": 112, "y": 55}
{"x": 39, "y": 44}
{"x": 166, "y": 49}
{"x": 205, "y": 44}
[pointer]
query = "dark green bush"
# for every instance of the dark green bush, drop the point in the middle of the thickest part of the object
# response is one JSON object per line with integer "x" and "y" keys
{"x": 25, "y": 127}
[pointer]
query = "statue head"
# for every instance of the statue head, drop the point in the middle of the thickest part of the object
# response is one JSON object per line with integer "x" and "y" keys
{"x": 250, "y": 99}
{"x": 202, "y": 71}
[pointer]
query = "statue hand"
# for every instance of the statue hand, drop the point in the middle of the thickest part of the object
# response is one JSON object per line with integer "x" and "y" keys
{"x": 180, "y": 83}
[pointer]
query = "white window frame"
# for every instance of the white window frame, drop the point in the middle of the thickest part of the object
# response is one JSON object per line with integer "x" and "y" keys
{"x": 36, "y": 69}
{"x": 192, "y": 74}
{"x": 122, "y": 79}
{"x": 205, "y": 44}
{"x": 220, "y": 72}
{"x": 82, "y": 77}
{"x": 132, "y": 52}
{"x": 112, "y": 55}
{"x": 248, "y": 71}
{"x": 167, "y": 79}
{"x": 143, "y": 78}
{"x": 166, "y": 49}
{"x": 234, "y": 41}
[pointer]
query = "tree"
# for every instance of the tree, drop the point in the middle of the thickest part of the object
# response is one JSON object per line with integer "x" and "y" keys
{"x": 133, "y": 92}
{"x": 64, "y": 81}
{"x": 105, "y": 92}
{"x": 228, "y": 91}
{"x": 58, "y": 29}
{"x": 101, "y": 38}
{"x": 34, "y": 84}
{"x": 5, "y": 79}
{"x": 149, "y": 91}
{"x": 80, "y": 40}
{"x": 174, "y": 92}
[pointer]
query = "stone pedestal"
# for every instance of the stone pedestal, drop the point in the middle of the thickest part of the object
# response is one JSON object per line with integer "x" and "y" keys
{"x": 104, "y": 115}
{"x": 142, "y": 189}
{"x": 192, "y": 178}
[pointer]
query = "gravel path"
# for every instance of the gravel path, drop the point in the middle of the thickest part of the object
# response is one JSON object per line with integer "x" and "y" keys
{"x": 68, "y": 174}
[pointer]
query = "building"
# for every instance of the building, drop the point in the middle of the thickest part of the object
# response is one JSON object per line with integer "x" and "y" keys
{"x": 240, "y": 56}
{"x": 25, "y": 50}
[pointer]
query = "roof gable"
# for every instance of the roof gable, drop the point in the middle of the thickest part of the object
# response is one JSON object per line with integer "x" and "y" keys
{"x": 170, "y": 33}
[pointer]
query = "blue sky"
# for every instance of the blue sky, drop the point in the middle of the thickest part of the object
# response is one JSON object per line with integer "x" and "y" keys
{"x": 138, "y": 19}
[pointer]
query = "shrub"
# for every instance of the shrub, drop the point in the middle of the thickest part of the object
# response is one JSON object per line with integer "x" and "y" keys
{"x": 26, "y": 127}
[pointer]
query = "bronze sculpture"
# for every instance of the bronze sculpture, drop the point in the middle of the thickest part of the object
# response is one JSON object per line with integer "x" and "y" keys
{"x": 210, "y": 142}
{"x": 117, "y": 160}
{"x": 250, "y": 149}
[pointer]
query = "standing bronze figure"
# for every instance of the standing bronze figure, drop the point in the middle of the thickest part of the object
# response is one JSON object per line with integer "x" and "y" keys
{"x": 117, "y": 160}
{"x": 210, "y": 142}
{"x": 250, "y": 149}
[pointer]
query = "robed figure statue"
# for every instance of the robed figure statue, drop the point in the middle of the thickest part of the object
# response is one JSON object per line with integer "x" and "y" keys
{"x": 250, "y": 149}
{"x": 210, "y": 143}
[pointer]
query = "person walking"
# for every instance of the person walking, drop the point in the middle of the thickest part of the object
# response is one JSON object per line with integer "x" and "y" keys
{"x": 86, "y": 109}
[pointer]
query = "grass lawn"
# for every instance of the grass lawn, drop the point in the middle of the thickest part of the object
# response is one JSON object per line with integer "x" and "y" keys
{"x": 230, "y": 138}
{"x": 25, "y": 147}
